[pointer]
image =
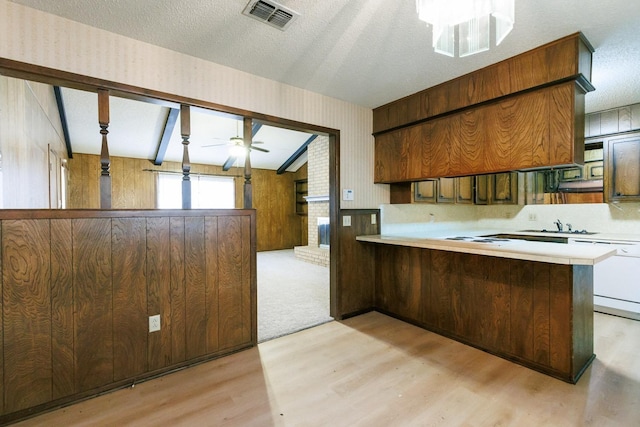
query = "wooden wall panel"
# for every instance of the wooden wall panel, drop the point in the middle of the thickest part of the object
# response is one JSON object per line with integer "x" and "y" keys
{"x": 27, "y": 313}
{"x": 130, "y": 322}
{"x": 541, "y": 307}
{"x": 178, "y": 290}
{"x": 212, "y": 261}
{"x": 521, "y": 279}
{"x": 356, "y": 270}
{"x": 159, "y": 295}
{"x": 93, "y": 323}
{"x": 560, "y": 323}
{"x": 582, "y": 316}
{"x": 230, "y": 274}
{"x": 444, "y": 275}
{"x": 77, "y": 288}
{"x": 195, "y": 298}
{"x": 62, "y": 330}
{"x": 134, "y": 188}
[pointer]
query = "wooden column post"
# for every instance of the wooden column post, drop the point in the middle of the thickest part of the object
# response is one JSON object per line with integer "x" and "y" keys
{"x": 247, "y": 135}
{"x": 185, "y": 131}
{"x": 105, "y": 162}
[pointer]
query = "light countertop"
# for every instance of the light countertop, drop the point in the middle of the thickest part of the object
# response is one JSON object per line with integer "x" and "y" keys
{"x": 553, "y": 253}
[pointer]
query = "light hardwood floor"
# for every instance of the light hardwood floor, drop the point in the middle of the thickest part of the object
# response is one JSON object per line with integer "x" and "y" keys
{"x": 373, "y": 370}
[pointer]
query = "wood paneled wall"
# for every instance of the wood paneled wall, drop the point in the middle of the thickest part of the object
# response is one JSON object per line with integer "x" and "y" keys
{"x": 78, "y": 288}
{"x": 537, "y": 314}
{"x": 30, "y": 137}
{"x": 134, "y": 188}
{"x": 357, "y": 262}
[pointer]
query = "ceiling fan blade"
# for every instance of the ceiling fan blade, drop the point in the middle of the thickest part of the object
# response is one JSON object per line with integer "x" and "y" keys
{"x": 259, "y": 149}
{"x": 214, "y": 145}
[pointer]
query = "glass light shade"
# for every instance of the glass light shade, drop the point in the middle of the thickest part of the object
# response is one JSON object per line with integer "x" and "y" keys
{"x": 238, "y": 151}
{"x": 470, "y": 18}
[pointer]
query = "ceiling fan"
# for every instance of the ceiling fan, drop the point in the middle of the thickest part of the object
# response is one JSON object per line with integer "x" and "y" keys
{"x": 236, "y": 144}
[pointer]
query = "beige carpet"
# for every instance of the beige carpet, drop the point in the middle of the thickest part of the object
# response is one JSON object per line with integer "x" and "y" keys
{"x": 292, "y": 295}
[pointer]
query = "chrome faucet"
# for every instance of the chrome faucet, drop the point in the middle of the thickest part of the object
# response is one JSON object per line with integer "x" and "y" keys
{"x": 558, "y": 224}
{"x": 569, "y": 228}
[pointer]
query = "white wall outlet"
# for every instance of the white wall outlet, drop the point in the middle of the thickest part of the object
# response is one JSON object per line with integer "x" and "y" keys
{"x": 346, "y": 221}
{"x": 347, "y": 194}
{"x": 373, "y": 219}
{"x": 154, "y": 323}
{"x": 533, "y": 217}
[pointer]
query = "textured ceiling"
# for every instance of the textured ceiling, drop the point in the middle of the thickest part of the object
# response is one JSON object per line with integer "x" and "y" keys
{"x": 368, "y": 52}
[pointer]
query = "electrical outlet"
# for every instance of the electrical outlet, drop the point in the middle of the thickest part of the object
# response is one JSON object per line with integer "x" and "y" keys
{"x": 373, "y": 219}
{"x": 533, "y": 217}
{"x": 154, "y": 323}
{"x": 346, "y": 221}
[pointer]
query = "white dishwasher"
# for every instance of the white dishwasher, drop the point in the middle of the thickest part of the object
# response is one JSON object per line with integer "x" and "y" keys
{"x": 616, "y": 280}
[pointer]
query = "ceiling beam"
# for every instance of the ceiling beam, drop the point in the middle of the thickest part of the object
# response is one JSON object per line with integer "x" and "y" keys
{"x": 63, "y": 120}
{"x": 232, "y": 159}
{"x": 169, "y": 125}
{"x": 299, "y": 152}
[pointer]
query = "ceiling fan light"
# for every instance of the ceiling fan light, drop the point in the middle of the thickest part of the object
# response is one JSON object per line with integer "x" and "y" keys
{"x": 238, "y": 150}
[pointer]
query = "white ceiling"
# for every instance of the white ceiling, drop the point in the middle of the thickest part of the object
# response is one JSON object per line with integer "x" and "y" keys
{"x": 368, "y": 52}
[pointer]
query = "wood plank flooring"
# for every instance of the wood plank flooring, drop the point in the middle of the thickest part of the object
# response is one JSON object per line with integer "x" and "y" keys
{"x": 373, "y": 370}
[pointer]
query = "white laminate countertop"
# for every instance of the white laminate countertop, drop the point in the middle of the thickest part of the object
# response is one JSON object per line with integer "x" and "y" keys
{"x": 553, "y": 253}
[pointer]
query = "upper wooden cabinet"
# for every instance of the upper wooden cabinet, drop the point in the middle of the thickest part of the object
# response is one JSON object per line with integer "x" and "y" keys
{"x": 622, "y": 159}
{"x": 526, "y": 112}
{"x": 536, "y": 129}
{"x": 569, "y": 57}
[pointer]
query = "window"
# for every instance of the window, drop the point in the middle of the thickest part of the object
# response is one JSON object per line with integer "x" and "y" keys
{"x": 207, "y": 192}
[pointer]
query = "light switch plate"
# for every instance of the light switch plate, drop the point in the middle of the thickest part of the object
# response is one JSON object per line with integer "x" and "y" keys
{"x": 347, "y": 194}
{"x": 373, "y": 219}
{"x": 346, "y": 221}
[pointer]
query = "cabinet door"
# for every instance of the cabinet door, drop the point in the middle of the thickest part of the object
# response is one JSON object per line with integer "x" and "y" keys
{"x": 446, "y": 190}
{"x": 464, "y": 189}
{"x": 482, "y": 190}
{"x": 504, "y": 188}
{"x": 425, "y": 191}
{"x": 623, "y": 163}
{"x": 398, "y": 155}
{"x": 534, "y": 188}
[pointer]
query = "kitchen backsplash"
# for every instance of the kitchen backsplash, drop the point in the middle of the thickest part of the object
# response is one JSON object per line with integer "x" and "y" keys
{"x": 419, "y": 219}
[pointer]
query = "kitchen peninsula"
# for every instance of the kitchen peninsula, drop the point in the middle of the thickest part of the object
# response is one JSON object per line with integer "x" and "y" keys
{"x": 525, "y": 301}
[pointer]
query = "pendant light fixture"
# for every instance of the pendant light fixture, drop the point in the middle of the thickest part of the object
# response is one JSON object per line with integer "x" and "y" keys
{"x": 470, "y": 19}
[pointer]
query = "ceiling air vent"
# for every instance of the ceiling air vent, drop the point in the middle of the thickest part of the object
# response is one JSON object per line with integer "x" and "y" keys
{"x": 270, "y": 13}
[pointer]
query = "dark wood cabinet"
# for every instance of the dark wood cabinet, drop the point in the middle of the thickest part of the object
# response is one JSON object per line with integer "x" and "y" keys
{"x": 537, "y": 314}
{"x": 535, "y": 129}
{"x": 445, "y": 190}
{"x": 622, "y": 159}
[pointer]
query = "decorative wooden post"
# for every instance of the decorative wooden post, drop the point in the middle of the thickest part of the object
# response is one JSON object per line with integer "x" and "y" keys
{"x": 247, "y": 136}
{"x": 185, "y": 130}
{"x": 105, "y": 162}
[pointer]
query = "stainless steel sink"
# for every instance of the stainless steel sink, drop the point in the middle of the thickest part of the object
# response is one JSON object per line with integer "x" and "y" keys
{"x": 515, "y": 236}
{"x": 583, "y": 232}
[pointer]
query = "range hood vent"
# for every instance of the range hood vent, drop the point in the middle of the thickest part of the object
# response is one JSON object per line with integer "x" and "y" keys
{"x": 271, "y": 13}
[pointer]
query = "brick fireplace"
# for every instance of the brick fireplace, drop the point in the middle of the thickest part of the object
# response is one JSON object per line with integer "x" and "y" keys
{"x": 318, "y": 202}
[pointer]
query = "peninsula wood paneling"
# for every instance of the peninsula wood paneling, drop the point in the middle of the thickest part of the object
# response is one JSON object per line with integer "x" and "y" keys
{"x": 93, "y": 297}
{"x": 26, "y": 313}
{"x": 78, "y": 287}
{"x": 444, "y": 147}
{"x": 130, "y": 329}
{"x": 159, "y": 298}
{"x": 177, "y": 290}
{"x": 357, "y": 263}
{"x": 194, "y": 262}
{"x": 566, "y": 118}
{"x": 537, "y": 314}
{"x": 62, "y": 310}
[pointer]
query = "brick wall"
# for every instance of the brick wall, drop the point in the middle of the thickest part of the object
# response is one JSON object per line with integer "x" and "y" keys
{"x": 318, "y": 184}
